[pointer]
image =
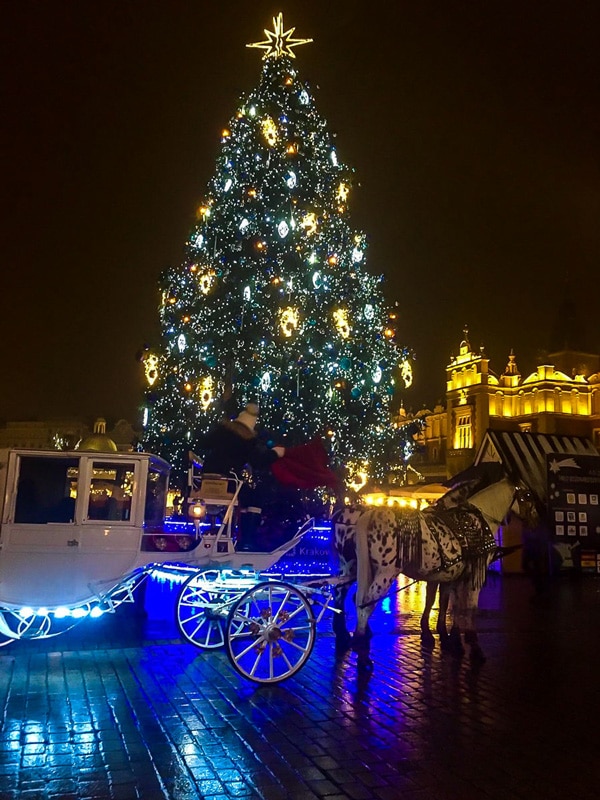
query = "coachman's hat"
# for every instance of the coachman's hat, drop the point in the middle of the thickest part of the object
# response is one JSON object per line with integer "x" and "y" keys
{"x": 248, "y": 416}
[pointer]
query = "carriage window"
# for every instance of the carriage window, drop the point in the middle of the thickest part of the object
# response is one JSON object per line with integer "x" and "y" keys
{"x": 47, "y": 489}
{"x": 156, "y": 494}
{"x": 111, "y": 491}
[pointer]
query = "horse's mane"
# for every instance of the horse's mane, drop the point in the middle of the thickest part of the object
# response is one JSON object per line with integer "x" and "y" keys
{"x": 494, "y": 501}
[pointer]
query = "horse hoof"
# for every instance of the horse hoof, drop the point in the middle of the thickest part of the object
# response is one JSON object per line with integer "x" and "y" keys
{"x": 427, "y": 641}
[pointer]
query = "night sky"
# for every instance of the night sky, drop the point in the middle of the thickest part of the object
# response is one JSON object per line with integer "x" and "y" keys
{"x": 473, "y": 128}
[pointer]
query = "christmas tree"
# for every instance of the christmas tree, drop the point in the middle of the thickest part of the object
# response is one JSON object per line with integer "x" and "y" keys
{"x": 272, "y": 303}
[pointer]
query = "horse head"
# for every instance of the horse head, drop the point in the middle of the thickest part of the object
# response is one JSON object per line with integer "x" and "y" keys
{"x": 524, "y": 506}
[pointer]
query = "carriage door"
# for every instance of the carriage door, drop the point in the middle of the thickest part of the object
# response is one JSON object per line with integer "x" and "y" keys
{"x": 110, "y": 537}
{"x": 39, "y": 534}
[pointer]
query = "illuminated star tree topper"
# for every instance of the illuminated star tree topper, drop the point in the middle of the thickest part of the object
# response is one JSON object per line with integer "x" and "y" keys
{"x": 279, "y": 42}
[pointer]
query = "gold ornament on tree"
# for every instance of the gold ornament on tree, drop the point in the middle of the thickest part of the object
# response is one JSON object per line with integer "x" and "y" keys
{"x": 406, "y": 373}
{"x": 206, "y": 281}
{"x": 206, "y": 390}
{"x": 288, "y": 321}
{"x": 269, "y": 131}
{"x": 342, "y": 192}
{"x": 151, "y": 368}
{"x": 309, "y": 223}
{"x": 340, "y": 318}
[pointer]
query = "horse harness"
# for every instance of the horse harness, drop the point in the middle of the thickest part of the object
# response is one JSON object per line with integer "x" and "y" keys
{"x": 466, "y": 525}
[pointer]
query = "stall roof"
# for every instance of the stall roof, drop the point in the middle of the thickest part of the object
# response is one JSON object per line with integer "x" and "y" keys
{"x": 523, "y": 455}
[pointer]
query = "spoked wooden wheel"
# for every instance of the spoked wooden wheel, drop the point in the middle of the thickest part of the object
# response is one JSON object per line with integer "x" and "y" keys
{"x": 270, "y": 632}
{"x": 201, "y": 609}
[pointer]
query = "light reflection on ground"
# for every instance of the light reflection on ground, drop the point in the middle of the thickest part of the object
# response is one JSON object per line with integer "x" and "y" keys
{"x": 121, "y": 708}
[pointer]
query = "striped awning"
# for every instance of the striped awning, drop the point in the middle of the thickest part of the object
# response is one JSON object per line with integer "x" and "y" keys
{"x": 523, "y": 455}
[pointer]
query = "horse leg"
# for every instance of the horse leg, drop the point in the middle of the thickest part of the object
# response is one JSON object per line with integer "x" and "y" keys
{"x": 346, "y": 577}
{"x": 476, "y": 655}
{"x": 427, "y": 640}
{"x": 452, "y": 643}
{"x": 343, "y": 640}
{"x": 464, "y": 620}
{"x": 441, "y": 628}
{"x": 382, "y": 580}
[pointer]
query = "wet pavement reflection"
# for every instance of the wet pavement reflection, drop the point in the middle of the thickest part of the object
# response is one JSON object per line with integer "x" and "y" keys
{"x": 121, "y": 708}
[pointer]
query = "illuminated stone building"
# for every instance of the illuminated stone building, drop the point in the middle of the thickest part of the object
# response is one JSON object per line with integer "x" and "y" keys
{"x": 64, "y": 434}
{"x": 562, "y": 396}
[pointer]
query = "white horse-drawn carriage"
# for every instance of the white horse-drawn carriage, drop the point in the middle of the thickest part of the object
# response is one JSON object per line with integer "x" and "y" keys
{"x": 80, "y": 530}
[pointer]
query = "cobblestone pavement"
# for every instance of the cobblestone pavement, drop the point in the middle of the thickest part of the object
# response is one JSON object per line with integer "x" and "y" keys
{"x": 121, "y": 708}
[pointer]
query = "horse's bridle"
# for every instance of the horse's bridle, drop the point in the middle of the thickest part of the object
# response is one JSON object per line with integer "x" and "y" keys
{"x": 520, "y": 493}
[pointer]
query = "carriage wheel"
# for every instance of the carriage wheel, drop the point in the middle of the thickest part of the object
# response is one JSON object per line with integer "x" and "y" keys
{"x": 270, "y": 632}
{"x": 201, "y": 609}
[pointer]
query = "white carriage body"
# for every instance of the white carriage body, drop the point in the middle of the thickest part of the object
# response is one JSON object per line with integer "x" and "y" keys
{"x": 72, "y": 523}
{"x": 79, "y": 529}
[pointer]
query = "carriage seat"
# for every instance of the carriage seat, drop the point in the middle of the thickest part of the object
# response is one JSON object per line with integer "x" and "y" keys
{"x": 216, "y": 490}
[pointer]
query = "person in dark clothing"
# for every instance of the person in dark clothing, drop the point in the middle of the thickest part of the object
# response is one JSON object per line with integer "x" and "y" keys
{"x": 229, "y": 446}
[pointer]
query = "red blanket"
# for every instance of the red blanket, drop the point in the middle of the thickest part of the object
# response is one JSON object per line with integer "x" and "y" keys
{"x": 305, "y": 467}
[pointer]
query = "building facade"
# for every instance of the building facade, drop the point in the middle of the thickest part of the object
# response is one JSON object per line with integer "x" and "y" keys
{"x": 63, "y": 434}
{"x": 562, "y": 396}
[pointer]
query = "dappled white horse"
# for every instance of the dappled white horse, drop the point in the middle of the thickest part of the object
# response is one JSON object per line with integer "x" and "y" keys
{"x": 444, "y": 544}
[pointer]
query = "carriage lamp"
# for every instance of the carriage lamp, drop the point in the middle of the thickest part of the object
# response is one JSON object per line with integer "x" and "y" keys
{"x": 197, "y": 512}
